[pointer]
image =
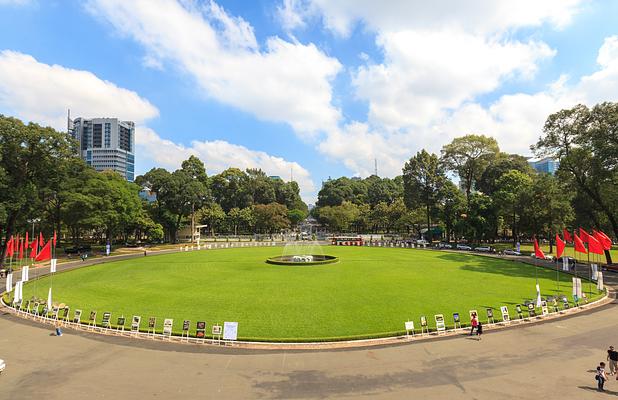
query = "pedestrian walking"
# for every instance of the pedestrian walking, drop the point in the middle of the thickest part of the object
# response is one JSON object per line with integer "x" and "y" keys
{"x": 479, "y": 331}
{"x": 612, "y": 357}
{"x": 601, "y": 377}
{"x": 474, "y": 321}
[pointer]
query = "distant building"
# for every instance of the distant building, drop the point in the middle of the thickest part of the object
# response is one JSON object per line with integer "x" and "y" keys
{"x": 275, "y": 178}
{"x": 148, "y": 195}
{"x": 106, "y": 143}
{"x": 547, "y": 165}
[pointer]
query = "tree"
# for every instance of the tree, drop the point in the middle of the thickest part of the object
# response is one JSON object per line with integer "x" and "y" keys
{"x": 548, "y": 207}
{"x": 499, "y": 166}
{"x": 211, "y": 214}
{"x": 29, "y": 158}
{"x": 230, "y": 189}
{"x": 452, "y": 207}
{"x": 510, "y": 196}
{"x": 584, "y": 141}
{"x": 270, "y": 218}
{"x": 468, "y": 156}
{"x": 296, "y": 216}
{"x": 423, "y": 179}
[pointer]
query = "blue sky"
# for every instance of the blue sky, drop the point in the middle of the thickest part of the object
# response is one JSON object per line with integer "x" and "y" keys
{"x": 315, "y": 88}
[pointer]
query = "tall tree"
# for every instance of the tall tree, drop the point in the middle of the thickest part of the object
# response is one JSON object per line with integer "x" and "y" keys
{"x": 423, "y": 179}
{"x": 29, "y": 159}
{"x": 468, "y": 156}
{"x": 581, "y": 140}
{"x": 510, "y": 196}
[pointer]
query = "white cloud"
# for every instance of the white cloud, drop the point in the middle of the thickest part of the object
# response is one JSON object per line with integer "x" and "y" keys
{"x": 284, "y": 82}
{"x": 438, "y": 58}
{"x": 425, "y": 74}
{"x": 515, "y": 120}
{"x": 40, "y": 92}
{"x": 218, "y": 155}
{"x": 472, "y": 16}
{"x": 289, "y": 14}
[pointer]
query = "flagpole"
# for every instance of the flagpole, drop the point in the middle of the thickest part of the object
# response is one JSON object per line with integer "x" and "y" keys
{"x": 589, "y": 271}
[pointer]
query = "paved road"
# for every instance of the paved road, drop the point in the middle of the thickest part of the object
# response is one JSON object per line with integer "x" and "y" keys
{"x": 553, "y": 360}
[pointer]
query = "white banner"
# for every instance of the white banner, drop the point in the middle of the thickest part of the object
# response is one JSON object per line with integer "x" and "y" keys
{"x": 9, "y": 282}
{"x": 230, "y": 330}
{"x": 600, "y": 281}
{"x": 565, "y": 264}
{"x": 595, "y": 271}
{"x": 17, "y": 295}
{"x": 574, "y": 286}
{"x": 579, "y": 288}
{"x": 53, "y": 264}
{"x": 49, "y": 299}
{"x": 538, "y": 295}
{"x": 25, "y": 273}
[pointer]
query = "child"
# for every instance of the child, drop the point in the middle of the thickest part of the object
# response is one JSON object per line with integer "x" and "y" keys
{"x": 479, "y": 330}
{"x": 601, "y": 377}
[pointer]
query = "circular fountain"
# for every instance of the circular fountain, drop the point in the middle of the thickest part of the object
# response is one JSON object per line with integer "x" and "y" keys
{"x": 301, "y": 253}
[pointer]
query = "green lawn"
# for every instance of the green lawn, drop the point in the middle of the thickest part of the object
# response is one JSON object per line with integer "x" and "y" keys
{"x": 369, "y": 292}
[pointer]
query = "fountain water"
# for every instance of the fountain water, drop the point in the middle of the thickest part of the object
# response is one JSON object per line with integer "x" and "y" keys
{"x": 302, "y": 253}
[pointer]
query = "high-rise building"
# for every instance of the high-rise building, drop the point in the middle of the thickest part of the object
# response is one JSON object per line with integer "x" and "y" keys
{"x": 548, "y": 165}
{"x": 106, "y": 143}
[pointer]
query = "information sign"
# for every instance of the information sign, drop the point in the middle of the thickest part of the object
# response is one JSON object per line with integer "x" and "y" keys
{"x": 200, "y": 329}
{"x": 544, "y": 308}
{"x": 135, "y": 323}
{"x": 531, "y": 310}
{"x": 217, "y": 329}
{"x": 106, "y": 318}
{"x": 423, "y": 321}
{"x": 76, "y": 317}
{"x": 230, "y": 330}
{"x": 167, "y": 326}
{"x": 505, "y": 313}
{"x": 409, "y": 327}
{"x": 440, "y": 327}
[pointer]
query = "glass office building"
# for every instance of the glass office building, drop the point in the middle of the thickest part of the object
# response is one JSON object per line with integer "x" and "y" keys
{"x": 106, "y": 143}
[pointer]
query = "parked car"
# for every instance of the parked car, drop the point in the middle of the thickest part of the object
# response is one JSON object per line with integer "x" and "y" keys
{"x": 2, "y": 365}
{"x": 444, "y": 246}
{"x": 510, "y": 252}
{"x": 463, "y": 247}
{"x": 484, "y": 249}
{"x": 422, "y": 242}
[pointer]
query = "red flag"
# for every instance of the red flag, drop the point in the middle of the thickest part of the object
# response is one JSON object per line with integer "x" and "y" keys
{"x": 8, "y": 251}
{"x": 45, "y": 253}
{"x": 41, "y": 240}
{"x": 559, "y": 246}
{"x": 604, "y": 239}
{"x": 594, "y": 246}
{"x": 583, "y": 235}
{"x": 26, "y": 242}
{"x": 54, "y": 239}
{"x": 537, "y": 251}
{"x": 16, "y": 245}
{"x": 21, "y": 250}
{"x": 579, "y": 245}
{"x": 34, "y": 248}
